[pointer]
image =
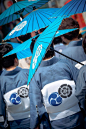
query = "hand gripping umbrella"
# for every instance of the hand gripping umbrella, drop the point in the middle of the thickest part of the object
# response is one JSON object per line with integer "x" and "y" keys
{"x": 20, "y": 9}
{"x": 73, "y": 7}
{"x": 34, "y": 21}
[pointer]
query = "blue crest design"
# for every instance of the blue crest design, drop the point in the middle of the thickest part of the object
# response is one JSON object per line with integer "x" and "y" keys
{"x": 55, "y": 99}
{"x": 15, "y": 99}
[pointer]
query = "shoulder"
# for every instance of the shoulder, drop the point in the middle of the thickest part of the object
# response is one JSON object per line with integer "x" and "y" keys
{"x": 24, "y": 72}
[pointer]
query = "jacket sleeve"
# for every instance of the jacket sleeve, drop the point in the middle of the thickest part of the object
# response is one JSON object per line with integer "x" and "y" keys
{"x": 81, "y": 87}
{"x": 37, "y": 109}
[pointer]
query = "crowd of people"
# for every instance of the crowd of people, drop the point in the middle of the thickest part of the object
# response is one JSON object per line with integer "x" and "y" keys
{"x": 56, "y": 96}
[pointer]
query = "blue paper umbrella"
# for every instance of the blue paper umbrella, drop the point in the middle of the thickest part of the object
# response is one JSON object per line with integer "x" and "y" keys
{"x": 34, "y": 21}
{"x": 21, "y": 54}
{"x": 73, "y": 7}
{"x": 26, "y": 44}
{"x": 41, "y": 46}
{"x": 61, "y": 32}
{"x": 19, "y": 9}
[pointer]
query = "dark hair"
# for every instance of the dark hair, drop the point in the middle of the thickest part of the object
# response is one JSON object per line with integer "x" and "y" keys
{"x": 25, "y": 37}
{"x": 57, "y": 40}
{"x": 33, "y": 43}
{"x": 48, "y": 54}
{"x": 84, "y": 44}
{"x": 69, "y": 23}
{"x": 9, "y": 60}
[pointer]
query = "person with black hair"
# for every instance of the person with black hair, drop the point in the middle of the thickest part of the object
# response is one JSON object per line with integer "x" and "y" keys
{"x": 52, "y": 94}
{"x": 71, "y": 39}
{"x": 14, "y": 100}
{"x": 74, "y": 48}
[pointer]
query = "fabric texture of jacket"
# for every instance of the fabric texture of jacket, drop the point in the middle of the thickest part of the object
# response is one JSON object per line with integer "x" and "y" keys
{"x": 77, "y": 53}
{"x": 48, "y": 72}
{"x": 11, "y": 80}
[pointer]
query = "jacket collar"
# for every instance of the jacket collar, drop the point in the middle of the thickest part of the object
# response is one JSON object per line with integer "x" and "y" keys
{"x": 49, "y": 62}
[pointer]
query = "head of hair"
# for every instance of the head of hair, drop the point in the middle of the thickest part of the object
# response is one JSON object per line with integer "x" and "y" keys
{"x": 50, "y": 53}
{"x": 84, "y": 44}
{"x": 33, "y": 43}
{"x": 7, "y": 61}
{"x": 57, "y": 40}
{"x": 70, "y": 23}
{"x": 79, "y": 36}
{"x": 25, "y": 37}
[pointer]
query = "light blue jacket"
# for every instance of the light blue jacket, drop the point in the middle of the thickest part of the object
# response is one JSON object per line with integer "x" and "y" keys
{"x": 48, "y": 72}
{"x": 10, "y": 80}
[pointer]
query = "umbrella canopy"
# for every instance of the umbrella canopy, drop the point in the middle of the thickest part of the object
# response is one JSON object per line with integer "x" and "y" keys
{"x": 41, "y": 46}
{"x": 24, "y": 47}
{"x": 73, "y": 7}
{"x": 34, "y": 21}
{"x": 21, "y": 54}
{"x": 19, "y": 9}
{"x": 26, "y": 44}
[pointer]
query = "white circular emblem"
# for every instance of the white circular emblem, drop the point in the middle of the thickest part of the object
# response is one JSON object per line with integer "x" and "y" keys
{"x": 19, "y": 27}
{"x": 23, "y": 92}
{"x": 37, "y": 54}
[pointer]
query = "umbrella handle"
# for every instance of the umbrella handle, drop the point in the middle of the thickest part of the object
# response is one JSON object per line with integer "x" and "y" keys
{"x": 66, "y": 56}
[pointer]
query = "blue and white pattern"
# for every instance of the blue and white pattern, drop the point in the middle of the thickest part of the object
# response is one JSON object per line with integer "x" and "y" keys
{"x": 15, "y": 99}
{"x": 19, "y": 27}
{"x": 55, "y": 99}
{"x": 38, "y": 52}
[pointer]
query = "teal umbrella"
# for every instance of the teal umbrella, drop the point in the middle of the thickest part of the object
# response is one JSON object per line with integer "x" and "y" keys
{"x": 21, "y": 54}
{"x": 20, "y": 9}
{"x": 26, "y": 45}
{"x": 71, "y": 8}
{"x": 42, "y": 44}
{"x": 34, "y": 21}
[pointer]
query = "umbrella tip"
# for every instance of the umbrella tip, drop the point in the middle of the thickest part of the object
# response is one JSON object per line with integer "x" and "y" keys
{"x": 34, "y": 7}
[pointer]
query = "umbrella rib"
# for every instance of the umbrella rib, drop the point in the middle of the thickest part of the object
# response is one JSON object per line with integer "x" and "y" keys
{"x": 8, "y": 17}
{"x": 37, "y": 22}
{"x": 25, "y": 46}
{"x": 28, "y": 23}
{"x": 45, "y": 17}
{"x": 42, "y": 20}
{"x": 64, "y": 7}
{"x": 78, "y": 6}
{"x": 32, "y": 22}
{"x": 26, "y": 10}
{"x": 18, "y": 6}
{"x": 48, "y": 13}
{"x": 84, "y": 6}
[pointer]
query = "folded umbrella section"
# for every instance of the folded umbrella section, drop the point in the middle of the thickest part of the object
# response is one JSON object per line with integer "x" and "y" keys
{"x": 71, "y": 8}
{"x": 20, "y": 54}
{"x": 34, "y": 21}
{"x": 26, "y": 45}
{"x": 19, "y": 9}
